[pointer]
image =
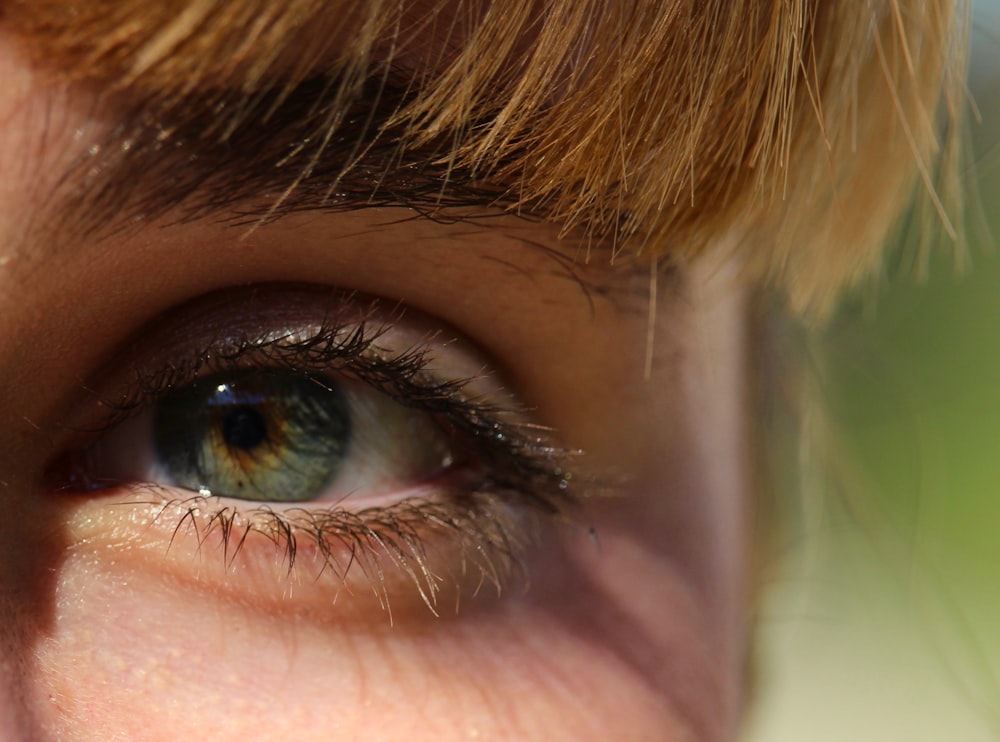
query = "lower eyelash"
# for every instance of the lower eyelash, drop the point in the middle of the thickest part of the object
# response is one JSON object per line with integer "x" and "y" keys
{"x": 486, "y": 539}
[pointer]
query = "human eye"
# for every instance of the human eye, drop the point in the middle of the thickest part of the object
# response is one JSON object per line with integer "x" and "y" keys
{"x": 313, "y": 438}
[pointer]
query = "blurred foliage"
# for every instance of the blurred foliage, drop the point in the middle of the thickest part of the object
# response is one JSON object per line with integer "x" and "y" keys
{"x": 914, "y": 373}
{"x": 885, "y": 624}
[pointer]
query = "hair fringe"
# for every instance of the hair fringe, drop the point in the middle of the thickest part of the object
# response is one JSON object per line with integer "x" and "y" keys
{"x": 792, "y": 131}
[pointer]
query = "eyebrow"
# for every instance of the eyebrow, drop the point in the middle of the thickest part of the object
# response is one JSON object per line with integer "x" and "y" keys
{"x": 251, "y": 159}
{"x": 191, "y": 164}
{"x": 389, "y": 115}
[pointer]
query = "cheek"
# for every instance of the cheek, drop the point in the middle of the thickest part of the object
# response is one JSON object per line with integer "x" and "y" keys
{"x": 593, "y": 650}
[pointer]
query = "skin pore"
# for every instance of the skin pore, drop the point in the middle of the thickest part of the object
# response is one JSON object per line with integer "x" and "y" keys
{"x": 621, "y": 617}
{"x": 482, "y": 212}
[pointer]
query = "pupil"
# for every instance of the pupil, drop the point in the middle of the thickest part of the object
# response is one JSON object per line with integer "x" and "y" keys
{"x": 244, "y": 428}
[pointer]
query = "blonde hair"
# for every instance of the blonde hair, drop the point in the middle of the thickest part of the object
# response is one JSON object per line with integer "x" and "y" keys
{"x": 794, "y": 129}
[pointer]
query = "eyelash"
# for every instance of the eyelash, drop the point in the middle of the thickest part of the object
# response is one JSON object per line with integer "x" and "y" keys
{"x": 522, "y": 473}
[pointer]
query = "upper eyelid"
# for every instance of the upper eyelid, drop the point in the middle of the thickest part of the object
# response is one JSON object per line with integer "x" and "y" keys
{"x": 357, "y": 336}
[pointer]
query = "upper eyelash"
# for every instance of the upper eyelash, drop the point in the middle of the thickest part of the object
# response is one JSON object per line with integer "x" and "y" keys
{"x": 530, "y": 463}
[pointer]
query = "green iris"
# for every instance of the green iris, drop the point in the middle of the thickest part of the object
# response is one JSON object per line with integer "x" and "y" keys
{"x": 257, "y": 435}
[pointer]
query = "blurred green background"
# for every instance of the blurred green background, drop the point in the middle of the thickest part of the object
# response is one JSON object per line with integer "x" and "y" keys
{"x": 884, "y": 621}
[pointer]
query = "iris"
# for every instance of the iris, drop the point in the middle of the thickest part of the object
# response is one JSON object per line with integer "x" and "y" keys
{"x": 268, "y": 435}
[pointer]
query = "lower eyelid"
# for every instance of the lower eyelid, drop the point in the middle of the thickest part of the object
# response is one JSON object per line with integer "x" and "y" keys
{"x": 416, "y": 560}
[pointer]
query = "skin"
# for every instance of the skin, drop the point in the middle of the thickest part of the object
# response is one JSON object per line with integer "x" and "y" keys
{"x": 631, "y": 624}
